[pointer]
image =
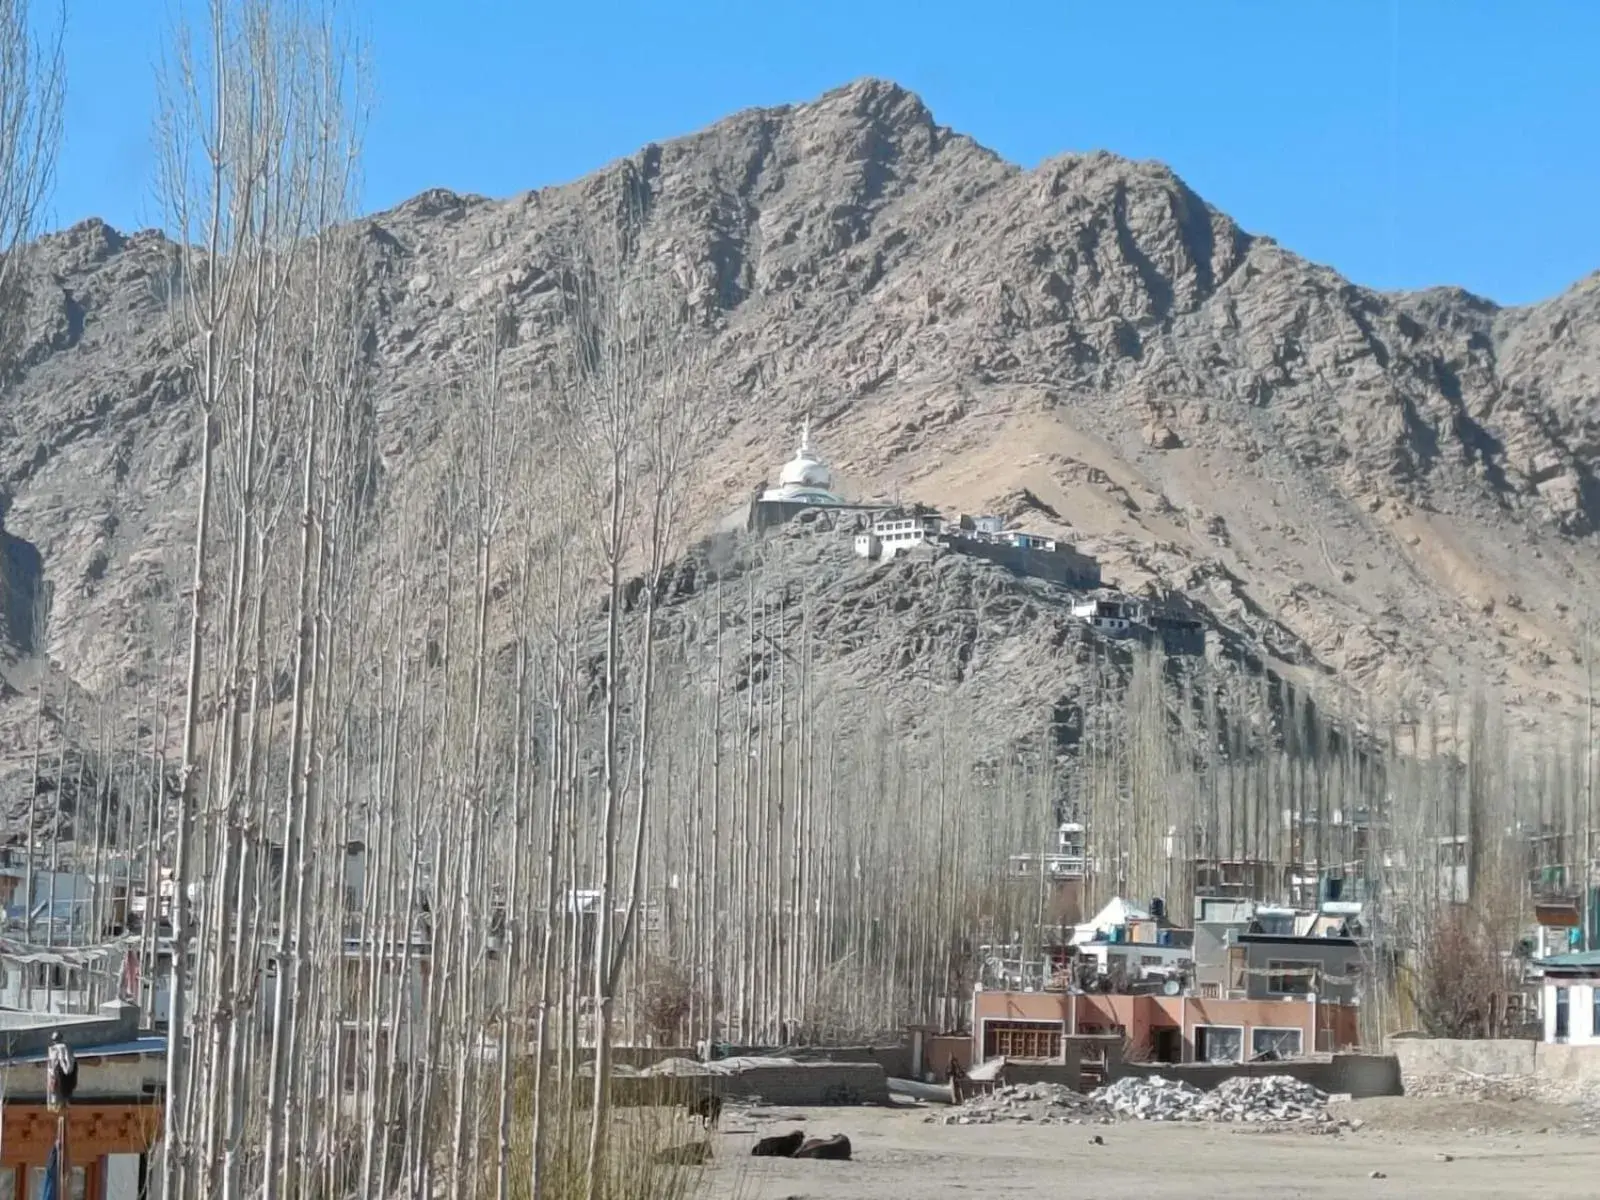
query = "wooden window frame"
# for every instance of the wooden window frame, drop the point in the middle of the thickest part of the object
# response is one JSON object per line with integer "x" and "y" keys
{"x": 1020, "y": 1038}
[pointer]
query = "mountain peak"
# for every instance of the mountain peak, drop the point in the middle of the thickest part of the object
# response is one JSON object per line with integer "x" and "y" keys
{"x": 875, "y": 96}
{"x": 1090, "y": 332}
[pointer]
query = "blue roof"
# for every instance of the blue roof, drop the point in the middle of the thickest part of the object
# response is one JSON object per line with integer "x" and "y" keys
{"x": 1581, "y": 960}
{"x": 151, "y": 1044}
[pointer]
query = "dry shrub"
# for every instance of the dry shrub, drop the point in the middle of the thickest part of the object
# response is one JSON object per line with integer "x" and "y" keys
{"x": 1464, "y": 976}
{"x": 664, "y": 998}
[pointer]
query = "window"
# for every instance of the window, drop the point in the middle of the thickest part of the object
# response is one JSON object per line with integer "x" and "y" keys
{"x": 77, "y": 1180}
{"x": 1594, "y": 1011}
{"x": 52, "y": 976}
{"x": 1273, "y": 1044}
{"x": 355, "y": 1045}
{"x": 1563, "y": 1016}
{"x": 1022, "y": 1039}
{"x": 1219, "y": 1043}
{"x": 1291, "y": 977}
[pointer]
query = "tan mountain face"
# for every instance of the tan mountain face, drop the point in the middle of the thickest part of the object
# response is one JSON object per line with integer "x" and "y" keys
{"x": 1390, "y": 494}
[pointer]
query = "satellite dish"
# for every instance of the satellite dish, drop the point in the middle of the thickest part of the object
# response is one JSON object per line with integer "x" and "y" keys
{"x": 1171, "y": 988}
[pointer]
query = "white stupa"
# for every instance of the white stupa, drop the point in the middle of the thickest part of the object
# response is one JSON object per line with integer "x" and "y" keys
{"x": 805, "y": 478}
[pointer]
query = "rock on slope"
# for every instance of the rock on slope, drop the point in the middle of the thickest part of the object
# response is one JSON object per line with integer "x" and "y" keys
{"x": 1394, "y": 492}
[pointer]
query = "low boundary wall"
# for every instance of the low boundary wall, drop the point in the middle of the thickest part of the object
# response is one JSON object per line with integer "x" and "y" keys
{"x": 1358, "y": 1075}
{"x": 1433, "y": 1058}
{"x": 895, "y": 1060}
{"x": 1422, "y": 1058}
{"x": 1566, "y": 1064}
{"x": 800, "y": 1084}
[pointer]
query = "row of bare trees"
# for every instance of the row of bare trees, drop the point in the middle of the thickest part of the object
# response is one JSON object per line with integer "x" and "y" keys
{"x": 447, "y": 809}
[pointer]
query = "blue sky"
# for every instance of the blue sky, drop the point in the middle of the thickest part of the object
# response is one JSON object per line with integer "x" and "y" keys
{"x": 1404, "y": 142}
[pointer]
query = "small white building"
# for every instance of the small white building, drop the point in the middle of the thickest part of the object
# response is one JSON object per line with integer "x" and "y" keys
{"x": 1572, "y": 998}
{"x": 1114, "y": 616}
{"x": 1027, "y": 541}
{"x": 895, "y": 535}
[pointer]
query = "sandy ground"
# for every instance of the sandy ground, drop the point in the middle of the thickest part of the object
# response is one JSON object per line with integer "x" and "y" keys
{"x": 901, "y": 1157}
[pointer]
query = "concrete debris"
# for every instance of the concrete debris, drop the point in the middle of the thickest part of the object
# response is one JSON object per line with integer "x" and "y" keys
{"x": 1265, "y": 1099}
{"x": 1028, "y": 1103}
{"x": 1270, "y": 1099}
{"x": 1153, "y": 1099}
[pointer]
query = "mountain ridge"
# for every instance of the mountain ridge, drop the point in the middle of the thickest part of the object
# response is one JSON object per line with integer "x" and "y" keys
{"x": 1400, "y": 484}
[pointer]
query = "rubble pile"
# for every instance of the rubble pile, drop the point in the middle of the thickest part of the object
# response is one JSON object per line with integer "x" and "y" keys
{"x": 1274, "y": 1098}
{"x": 1582, "y": 1096}
{"x": 1266, "y": 1099}
{"x": 1028, "y": 1103}
{"x": 1153, "y": 1099}
{"x": 1269, "y": 1099}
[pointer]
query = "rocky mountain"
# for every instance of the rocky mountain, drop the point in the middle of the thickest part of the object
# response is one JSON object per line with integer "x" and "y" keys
{"x": 1385, "y": 494}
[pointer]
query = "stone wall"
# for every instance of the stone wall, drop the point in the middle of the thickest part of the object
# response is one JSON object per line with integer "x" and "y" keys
{"x": 1066, "y": 566}
{"x": 814, "y": 1083}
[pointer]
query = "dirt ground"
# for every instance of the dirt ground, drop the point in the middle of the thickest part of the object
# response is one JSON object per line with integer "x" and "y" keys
{"x": 899, "y": 1156}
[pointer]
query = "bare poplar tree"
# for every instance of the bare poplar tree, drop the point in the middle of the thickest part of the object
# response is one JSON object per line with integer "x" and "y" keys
{"x": 32, "y": 85}
{"x": 630, "y": 428}
{"x": 258, "y": 141}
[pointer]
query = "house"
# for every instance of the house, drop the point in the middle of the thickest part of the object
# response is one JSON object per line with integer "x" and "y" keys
{"x": 1129, "y": 946}
{"x": 1281, "y": 952}
{"x": 1118, "y": 616}
{"x": 1571, "y": 1006}
{"x": 1231, "y": 878}
{"x": 113, "y": 1121}
{"x": 1055, "y": 878}
{"x": 1031, "y": 554}
{"x": 398, "y": 970}
{"x": 896, "y": 533}
{"x": 78, "y": 979}
{"x": 1161, "y": 1028}
{"x": 1178, "y": 634}
{"x": 67, "y": 905}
